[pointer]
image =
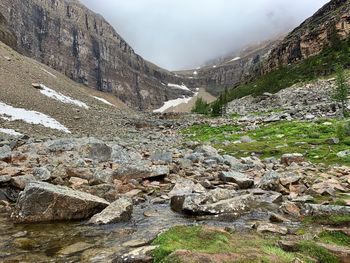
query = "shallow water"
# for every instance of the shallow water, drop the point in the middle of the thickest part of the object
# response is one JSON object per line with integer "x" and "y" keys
{"x": 43, "y": 242}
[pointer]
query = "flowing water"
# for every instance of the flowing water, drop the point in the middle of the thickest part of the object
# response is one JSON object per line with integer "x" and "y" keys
{"x": 44, "y": 242}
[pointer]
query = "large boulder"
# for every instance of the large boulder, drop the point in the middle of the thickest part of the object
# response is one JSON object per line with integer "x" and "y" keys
{"x": 242, "y": 180}
{"x": 270, "y": 181}
{"x": 5, "y": 153}
{"x": 119, "y": 211}
{"x": 43, "y": 202}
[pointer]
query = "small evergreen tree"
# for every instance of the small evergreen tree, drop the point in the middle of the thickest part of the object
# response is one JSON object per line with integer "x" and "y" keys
{"x": 201, "y": 106}
{"x": 342, "y": 90}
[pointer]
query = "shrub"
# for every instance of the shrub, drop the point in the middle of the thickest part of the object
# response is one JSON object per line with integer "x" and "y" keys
{"x": 201, "y": 106}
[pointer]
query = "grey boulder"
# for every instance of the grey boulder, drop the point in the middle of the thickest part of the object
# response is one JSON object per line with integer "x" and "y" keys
{"x": 43, "y": 202}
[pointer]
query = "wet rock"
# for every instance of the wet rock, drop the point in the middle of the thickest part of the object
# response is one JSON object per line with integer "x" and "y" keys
{"x": 118, "y": 211}
{"x": 75, "y": 248}
{"x": 288, "y": 159}
{"x": 242, "y": 180}
{"x": 272, "y": 228}
{"x": 5, "y": 153}
{"x": 270, "y": 181}
{"x": 41, "y": 202}
{"x": 22, "y": 181}
{"x": 42, "y": 174}
{"x": 138, "y": 255}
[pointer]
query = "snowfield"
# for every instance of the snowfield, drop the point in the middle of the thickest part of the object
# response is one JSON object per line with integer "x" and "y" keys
{"x": 173, "y": 103}
{"x": 10, "y": 113}
{"x": 176, "y": 86}
{"x": 10, "y": 132}
{"x": 103, "y": 100}
{"x": 60, "y": 97}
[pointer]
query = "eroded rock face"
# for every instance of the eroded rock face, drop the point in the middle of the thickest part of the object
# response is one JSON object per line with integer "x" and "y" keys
{"x": 70, "y": 38}
{"x": 43, "y": 202}
{"x": 313, "y": 35}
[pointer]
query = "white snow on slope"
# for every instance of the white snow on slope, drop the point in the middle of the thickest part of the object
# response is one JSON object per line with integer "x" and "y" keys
{"x": 48, "y": 72}
{"x": 176, "y": 86}
{"x": 60, "y": 97}
{"x": 103, "y": 100}
{"x": 235, "y": 59}
{"x": 10, "y": 113}
{"x": 173, "y": 103}
{"x": 10, "y": 132}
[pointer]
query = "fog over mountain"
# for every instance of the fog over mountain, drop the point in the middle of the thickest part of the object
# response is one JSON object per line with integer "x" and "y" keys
{"x": 186, "y": 33}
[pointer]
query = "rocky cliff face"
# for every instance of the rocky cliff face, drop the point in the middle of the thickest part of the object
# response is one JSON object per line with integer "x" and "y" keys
{"x": 70, "y": 38}
{"x": 312, "y": 36}
{"x": 6, "y": 35}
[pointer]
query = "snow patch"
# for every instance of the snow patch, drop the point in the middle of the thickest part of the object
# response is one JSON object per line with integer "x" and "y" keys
{"x": 10, "y": 132}
{"x": 235, "y": 59}
{"x": 176, "y": 86}
{"x": 195, "y": 73}
{"x": 10, "y": 113}
{"x": 214, "y": 66}
{"x": 103, "y": 100}
{"x": 60, "y": 97}
{"x": 48, "y": 72}
{"x": 173, "y": 103}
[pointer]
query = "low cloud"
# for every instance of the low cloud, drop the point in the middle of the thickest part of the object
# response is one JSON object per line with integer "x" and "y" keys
{"x": 180, "y": 34}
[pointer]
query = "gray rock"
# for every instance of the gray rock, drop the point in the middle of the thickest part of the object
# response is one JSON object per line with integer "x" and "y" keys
{"x": 43, "y": 202}
{"x": 103, "y": 177}
{"x": 246, "y": 139}
{"x": 242, "y": 180}
{"x": 184, "y": 187}
{"x": 133, "y": 171}
{"x": 270, "y": 181}
{"x": 160, "y": 170}
{"x": 118, "y": 211}
{"x": 316, "y": 209}
{"x": 234, "y": 163}
{"x": 333, "y": 141}
{"x": 5, "y": 153}
{"x": 41, "y": 173}
{"x": 164, "y": 156}
{"x": 61, "y": 145}
{"x": 343, "y": 154}
{"x": 5, "y": 179}
{"x": 100, "y": 152}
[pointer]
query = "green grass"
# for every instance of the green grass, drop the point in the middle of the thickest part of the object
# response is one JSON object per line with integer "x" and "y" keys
{"x": 305, "y": 71}
{"x": 247, "y": 247}
{"x": 317, "y": 252}
{"x": 276, "y": 139}
{"x": 334, "y": 237}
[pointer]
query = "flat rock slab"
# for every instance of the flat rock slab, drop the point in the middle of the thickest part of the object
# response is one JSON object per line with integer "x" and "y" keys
{"x": 43, "y": 202}
{"x": 119, "y": 211}
{"x": 243, "y": 181}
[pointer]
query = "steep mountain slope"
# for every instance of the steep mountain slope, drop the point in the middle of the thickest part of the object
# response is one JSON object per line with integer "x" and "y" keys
{"x": 6, "y": 35}
{"x": 70, "y": 38}
{"x": 331, "y": 22}
{"x": 81, "y": 110}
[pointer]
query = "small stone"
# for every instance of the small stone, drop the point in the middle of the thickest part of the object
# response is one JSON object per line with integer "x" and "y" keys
{"x": 333, "y": 141}
{"x": 22, "y": 181}
{"x": 343, "y": 154}
{"x": 41, "y": 173}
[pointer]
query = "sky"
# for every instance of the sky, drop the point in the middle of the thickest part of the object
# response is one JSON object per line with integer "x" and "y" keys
{"x": 184, "y": 34}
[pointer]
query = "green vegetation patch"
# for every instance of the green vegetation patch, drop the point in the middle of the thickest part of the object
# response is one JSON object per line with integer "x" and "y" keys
{"x": 246, "y": 247}
{"x": 317, "y": 252}
{"x": 334, "y": 237}
{"x": 276, "y": 139}
{"x": 307, "y": 70}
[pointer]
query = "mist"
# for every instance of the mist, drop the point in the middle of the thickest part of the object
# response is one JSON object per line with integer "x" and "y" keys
{"x": 183, "y": 34}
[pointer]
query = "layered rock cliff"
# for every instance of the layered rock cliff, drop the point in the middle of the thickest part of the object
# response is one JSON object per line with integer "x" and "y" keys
{"x": 331, "y": 22}
{"x": 70, "y": 38}
{"x": 6, "y": 34}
